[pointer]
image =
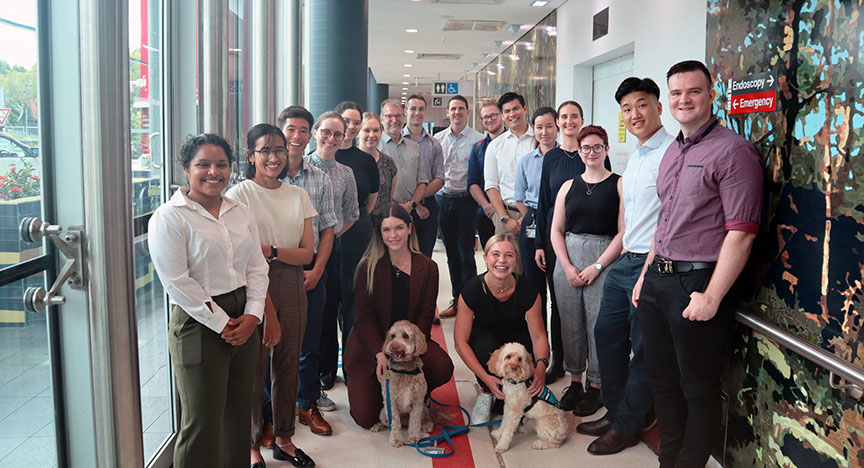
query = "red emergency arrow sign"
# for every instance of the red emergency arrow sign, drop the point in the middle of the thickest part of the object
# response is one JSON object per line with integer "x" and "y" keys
{"x": 753, "y": 102}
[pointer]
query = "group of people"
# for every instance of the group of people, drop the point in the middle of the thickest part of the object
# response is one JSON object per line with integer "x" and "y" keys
{"x": 639, "y": 267}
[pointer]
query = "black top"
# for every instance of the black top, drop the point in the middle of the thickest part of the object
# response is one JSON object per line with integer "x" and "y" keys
{"x": 505, "y": 319}
{"x": 559, "y": 166}
{"x": 365, "y": 172}
{"x": 596, "y": 213}
{"x": 401, "y": 281}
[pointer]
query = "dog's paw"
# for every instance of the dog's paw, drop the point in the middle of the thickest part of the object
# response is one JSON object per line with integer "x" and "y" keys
{"x": 501, "y": 448}
{"x": 378, "y": 427}
{"x": 428, "y": 426}
{"x": 542, "y": 444}
{"x": 412, "y": 439}
{"x": 396, "y": 442}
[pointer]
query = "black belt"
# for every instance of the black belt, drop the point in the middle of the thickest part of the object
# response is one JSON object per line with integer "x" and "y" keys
{"x": 667, "y": 266}
{"x": 454, "y": 195}
{"x": 634, "y": 254}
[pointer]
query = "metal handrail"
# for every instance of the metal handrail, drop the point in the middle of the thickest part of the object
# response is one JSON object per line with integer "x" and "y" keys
{"x": 853, "y": 374}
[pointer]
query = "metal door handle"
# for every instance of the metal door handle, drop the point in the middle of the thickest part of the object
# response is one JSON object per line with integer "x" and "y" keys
{"x": 72, "y": 272}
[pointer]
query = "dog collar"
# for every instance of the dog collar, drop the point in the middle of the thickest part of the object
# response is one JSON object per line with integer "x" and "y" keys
{"x": 390, "y": 367}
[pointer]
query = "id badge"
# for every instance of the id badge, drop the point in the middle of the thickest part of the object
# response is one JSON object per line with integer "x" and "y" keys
{"x": 531, "y": 231}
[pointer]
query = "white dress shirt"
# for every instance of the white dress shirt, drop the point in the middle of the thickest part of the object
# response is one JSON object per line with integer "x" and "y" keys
{"x": 457, "y": 151}
{"x": 198, "y": 256}
{"x": 639, "y": 187}
{"x": 502, "y": 154}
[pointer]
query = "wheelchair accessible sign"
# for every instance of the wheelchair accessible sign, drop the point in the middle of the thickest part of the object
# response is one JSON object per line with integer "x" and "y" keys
{"x": 755, "y": 93}
{"x": 440, "y": 87}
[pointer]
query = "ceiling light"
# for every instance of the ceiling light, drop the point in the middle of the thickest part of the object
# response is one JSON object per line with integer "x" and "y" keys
{"x": 514, "y": 57}
{"x": 404, "y": 89}
{"x": 407, "y": 76}
{"x": 409, "y": 51}
{"x": 405, "y": 82}
{"x": 407, "y": 65}
{"x": 412, "y": 30}
{"x": 540, "y": 3}
{"x": 499, "y": 65}
{"x": 491, "y": 72}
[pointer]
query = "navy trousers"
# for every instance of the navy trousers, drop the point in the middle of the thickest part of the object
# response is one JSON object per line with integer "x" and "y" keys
{"x": 456, "y": 218}
{"x": 527, "y": 249}
{"x": 427, "y": 229}
{"x": 626, "y": 393}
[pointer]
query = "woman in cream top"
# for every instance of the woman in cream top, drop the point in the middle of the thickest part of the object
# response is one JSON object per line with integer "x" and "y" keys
{"x": 284, "y": 216}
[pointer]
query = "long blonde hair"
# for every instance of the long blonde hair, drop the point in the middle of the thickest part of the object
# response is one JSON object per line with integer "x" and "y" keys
{"x": 376, "y": 250}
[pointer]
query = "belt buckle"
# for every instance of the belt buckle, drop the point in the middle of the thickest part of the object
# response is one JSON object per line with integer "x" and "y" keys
{"x": 665, "y": 266}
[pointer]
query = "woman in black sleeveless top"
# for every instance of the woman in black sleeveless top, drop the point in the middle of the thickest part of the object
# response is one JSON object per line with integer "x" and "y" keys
{"x": 587, "y": 228}
{"x": 498, "y": 307}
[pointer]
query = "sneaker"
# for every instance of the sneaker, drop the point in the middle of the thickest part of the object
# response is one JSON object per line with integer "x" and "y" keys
{"x": 572, "y": 396}
{"x": 325, "y": 403}
{"x": 482, "y": 408}
{"x": 591, "y": 402}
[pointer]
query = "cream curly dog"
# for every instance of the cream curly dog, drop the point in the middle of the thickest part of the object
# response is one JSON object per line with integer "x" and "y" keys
{"x": 514, "y": 365}
{"x": 403, "y": 345}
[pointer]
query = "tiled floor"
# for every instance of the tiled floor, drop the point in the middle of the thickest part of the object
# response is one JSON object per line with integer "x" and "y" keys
{"x": 27, "y": 430}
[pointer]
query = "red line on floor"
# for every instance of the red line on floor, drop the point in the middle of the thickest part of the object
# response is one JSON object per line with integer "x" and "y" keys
{"x": 448, "y": 394}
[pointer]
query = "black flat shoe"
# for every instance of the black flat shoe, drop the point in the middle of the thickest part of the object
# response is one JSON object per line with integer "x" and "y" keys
{"x": 299, "y": 459}
{"x": 258, "y": 465}
{"x": 555, "y": 370}
{"x": 590, "y": 403}
{"x": 327, "y": 381}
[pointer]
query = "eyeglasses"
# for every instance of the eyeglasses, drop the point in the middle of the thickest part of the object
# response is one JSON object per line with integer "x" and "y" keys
{"x": 490, "y": 117}
{"x": 328, "y": 133}
{"x": 596, "y": 148}
{"x": 279, "y": 152}
{"x": 392, "y": 116}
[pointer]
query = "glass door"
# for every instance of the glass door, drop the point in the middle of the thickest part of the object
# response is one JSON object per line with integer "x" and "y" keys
{"x": 27, "y": 396}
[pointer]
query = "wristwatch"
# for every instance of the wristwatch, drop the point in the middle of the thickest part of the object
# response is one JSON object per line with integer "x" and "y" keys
{"x": 504, "y": 219}
{"x": 413, "y": 204}
{"x": 598, "y": 266}
{"x": 543, "y": 360}
{"x": 273, "y": 253}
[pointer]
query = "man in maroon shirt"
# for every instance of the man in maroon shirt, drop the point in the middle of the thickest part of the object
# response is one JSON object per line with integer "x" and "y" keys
{"x": 710, "y": 189}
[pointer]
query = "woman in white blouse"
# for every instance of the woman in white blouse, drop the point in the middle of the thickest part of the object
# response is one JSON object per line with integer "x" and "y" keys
{"x": 206, "y": 252}
{"x": 284, "y": 215}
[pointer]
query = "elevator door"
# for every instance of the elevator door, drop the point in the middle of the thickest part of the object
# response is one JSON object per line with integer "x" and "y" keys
{"x": 606, "y": 112}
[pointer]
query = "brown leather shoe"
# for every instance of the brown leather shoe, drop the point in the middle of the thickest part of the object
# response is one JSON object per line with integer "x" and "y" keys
{"x": 449, "y": 311}
{"x": 312, "y": 418}
{"x": 612, "y": 442}
{"x": 595, "y": 428}
{"x": 267, "y": 437}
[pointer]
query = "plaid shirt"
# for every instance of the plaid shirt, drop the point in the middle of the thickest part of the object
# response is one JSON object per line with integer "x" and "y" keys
{"x": 317, "y": 184}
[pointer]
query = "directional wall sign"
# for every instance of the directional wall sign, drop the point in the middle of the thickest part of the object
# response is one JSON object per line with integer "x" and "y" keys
{"x": 440, "y": 87}
{"x": 755, "y": 93}
{"x": 4, "y": 114}
{"x": 437, "y": 102}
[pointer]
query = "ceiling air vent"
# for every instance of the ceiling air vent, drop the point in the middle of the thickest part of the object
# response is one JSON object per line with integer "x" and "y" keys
{"x": 439, "y": 56}
{"x": 473, "y": 25}
{"x": 469, "y": 2}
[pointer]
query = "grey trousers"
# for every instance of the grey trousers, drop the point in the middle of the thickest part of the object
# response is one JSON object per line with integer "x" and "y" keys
{"x": 214, "y": 382}
{"x": 289, "y": 297}
{"x": 580, "y": 306}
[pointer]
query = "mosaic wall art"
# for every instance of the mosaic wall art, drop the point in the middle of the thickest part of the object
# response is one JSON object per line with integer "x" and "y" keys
{"x": 806, "y": 268}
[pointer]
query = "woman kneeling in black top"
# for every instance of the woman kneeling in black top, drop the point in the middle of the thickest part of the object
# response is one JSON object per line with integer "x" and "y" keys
{"x": 497, "y": 307}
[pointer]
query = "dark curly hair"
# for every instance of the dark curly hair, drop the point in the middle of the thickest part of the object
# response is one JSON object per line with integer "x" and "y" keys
{"x": 194, "y": 143}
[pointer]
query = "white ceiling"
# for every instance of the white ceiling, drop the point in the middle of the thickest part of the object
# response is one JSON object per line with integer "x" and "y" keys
{"x": 388, "y": 20}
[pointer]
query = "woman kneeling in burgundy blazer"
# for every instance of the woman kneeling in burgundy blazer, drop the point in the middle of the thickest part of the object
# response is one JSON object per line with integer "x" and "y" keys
{"x": 393, "y": 282}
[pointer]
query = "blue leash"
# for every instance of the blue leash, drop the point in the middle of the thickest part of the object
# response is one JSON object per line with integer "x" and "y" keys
{"x": 447, "y": 432}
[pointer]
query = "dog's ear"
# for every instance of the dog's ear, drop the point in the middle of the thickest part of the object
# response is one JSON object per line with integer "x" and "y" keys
{"x": 419, "y": 341}
{"x": 387, "y": 340}
{"x": 494, "y": 364}
{"x": 527, "y": 365}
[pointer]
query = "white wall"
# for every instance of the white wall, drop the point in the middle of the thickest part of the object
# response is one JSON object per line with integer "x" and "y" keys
{"x": 659, "y": 33}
